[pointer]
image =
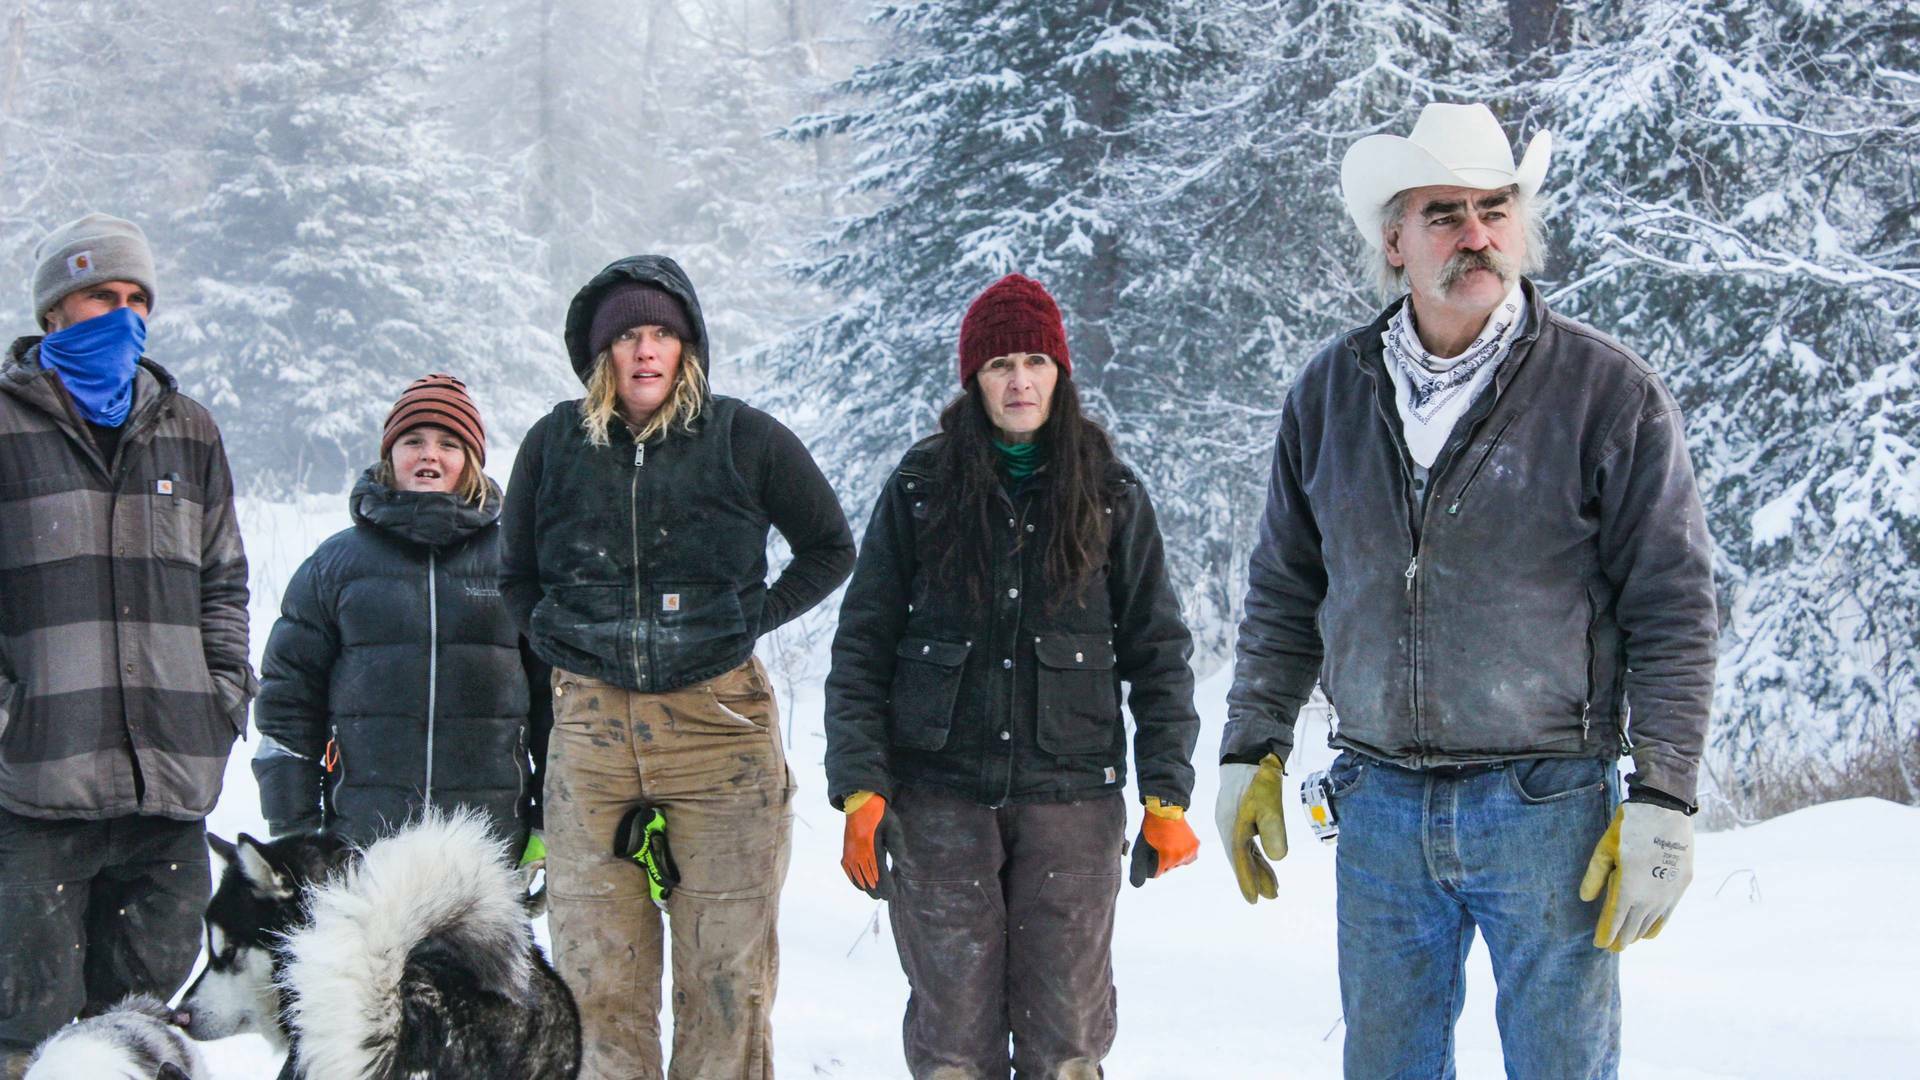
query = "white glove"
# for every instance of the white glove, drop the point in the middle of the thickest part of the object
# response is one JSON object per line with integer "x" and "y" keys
{"x": 1645, "y": 860}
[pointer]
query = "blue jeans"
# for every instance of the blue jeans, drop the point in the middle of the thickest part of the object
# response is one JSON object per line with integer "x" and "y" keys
{"x": 1424, "y": 859}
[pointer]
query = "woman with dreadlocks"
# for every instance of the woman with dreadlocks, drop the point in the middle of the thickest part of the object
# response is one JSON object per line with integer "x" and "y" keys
{"x": 1011, "y": 578}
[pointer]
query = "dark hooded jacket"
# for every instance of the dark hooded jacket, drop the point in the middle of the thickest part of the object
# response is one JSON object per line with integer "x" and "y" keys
{"x": 645, "y": 565}
{"x": 394, "y": 677}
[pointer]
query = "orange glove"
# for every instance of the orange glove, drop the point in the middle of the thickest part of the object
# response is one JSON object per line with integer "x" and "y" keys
{"x": 1165, "y": 842}
{"x": 863, "y": 851}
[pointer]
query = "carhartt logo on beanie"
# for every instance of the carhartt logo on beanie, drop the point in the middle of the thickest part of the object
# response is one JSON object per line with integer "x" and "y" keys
{"x": 86, "y": 252}
{"x": 627, "y": 306}
{"x": 440, "y": 400}
{"x": 1013, "y": 315}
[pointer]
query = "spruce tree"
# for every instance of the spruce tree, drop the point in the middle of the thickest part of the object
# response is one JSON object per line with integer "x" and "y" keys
{"x": 988, "y": 139}
{"x": 345, "y": 248}
{"x": 1744, "y": 212}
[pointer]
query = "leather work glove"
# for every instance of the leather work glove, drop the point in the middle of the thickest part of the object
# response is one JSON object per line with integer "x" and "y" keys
{"x": 870, "y": 833}
{"x": 1166, "y": 841}
{"x": 1645, "y": 860}
{"x": 1250, "y": 805}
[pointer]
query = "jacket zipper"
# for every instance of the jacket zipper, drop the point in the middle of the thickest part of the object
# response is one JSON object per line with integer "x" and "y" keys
{"x": 433, "y": 661}
{"x": 641, "y": 600}
{"x": 1586, "y": 705}
{"x": 1416, "y": 529}
{"x": 1461, "y": 495}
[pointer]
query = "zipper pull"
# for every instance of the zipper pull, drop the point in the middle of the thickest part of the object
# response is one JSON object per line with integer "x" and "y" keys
{"x": 639, "y": 454}
{"x": 1411, "y": 563}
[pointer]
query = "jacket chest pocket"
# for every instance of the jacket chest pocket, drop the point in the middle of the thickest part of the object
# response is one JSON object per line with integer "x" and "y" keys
{"x": 175, "y": 514}
{"x": 1078, "y": 694}
{"x": 926, "y": 688}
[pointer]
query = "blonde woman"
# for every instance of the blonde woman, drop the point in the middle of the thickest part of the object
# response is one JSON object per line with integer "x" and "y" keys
{"x": 394, "y": 679}
{"x": 636, "y": 562}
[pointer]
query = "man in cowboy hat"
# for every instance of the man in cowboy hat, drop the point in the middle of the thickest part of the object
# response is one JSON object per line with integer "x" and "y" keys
{"x": 1482, "y": 536}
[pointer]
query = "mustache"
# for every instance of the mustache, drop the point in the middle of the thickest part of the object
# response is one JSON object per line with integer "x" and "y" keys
{"x": 1465, "y": 262}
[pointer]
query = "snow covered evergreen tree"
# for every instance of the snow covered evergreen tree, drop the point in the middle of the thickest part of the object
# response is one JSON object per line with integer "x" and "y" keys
{"x": 345, "y": 248}
{"x": 988, "y": 139}
{"x": 104, "y": 105}
{"x": 1743, "y": 211}
{"x": 1234, "y": 200}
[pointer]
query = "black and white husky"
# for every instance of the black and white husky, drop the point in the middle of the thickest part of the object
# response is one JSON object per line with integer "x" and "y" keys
{"x": 413, "y": 958}
{"x": 134, "y": 1040}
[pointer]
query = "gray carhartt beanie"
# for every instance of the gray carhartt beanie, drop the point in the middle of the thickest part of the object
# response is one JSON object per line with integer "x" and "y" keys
{"x": 88, "y": 251}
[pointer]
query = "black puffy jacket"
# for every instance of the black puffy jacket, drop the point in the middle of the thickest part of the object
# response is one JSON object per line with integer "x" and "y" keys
{"x": 395, "y": 678}
{"x": 1008, "y": 701}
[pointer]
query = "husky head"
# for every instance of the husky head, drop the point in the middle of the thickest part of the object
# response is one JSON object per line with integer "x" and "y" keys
{"x": 134, "y": 1040}
{"x": 259, "y": 900}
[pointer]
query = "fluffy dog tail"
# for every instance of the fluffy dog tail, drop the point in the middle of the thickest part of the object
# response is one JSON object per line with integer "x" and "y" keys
{"x": 438, "y": 892}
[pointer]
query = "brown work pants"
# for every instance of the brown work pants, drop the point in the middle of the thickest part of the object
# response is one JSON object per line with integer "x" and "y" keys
{"x": 1004, "y": 923}
{"x": 709, "y": 755}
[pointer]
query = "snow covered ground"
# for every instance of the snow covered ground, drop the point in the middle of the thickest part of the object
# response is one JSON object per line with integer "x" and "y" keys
{"x": 1794, "y": 954}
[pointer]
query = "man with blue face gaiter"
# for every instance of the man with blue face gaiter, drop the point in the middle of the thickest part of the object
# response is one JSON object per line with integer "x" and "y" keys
{"x": 123, "y": 645}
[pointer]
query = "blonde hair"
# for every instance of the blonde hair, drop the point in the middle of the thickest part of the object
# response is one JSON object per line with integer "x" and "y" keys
{"x": 471, "y": 487}
{"x": 682, "y": 407}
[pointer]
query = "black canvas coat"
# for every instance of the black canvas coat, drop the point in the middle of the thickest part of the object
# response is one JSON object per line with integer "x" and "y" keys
{"x": 645, "y": 564}
{"x": 1016, "y": 698}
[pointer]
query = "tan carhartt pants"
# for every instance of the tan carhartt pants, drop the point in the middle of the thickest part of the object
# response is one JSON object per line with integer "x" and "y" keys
{"x": 710, "y": 756}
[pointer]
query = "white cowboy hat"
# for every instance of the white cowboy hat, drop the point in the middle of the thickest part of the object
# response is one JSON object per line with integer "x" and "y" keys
{"x": 1451, "y": 146}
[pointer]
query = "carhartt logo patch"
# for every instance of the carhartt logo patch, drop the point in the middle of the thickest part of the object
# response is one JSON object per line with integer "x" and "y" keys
{"x": 79, "y": 263}
{"x": 1111, "y": 775}
{"x": 163, "y": 487}
{"x": 670, "y": 601}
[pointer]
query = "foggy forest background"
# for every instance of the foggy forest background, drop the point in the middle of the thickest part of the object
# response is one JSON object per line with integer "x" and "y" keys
{"x": 345, "y": 195}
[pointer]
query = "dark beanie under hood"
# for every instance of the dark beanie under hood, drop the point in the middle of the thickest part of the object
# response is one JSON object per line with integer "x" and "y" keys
{"x": 656, "y": 271}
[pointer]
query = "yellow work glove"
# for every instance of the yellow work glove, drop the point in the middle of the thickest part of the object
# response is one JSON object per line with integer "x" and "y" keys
{"x": 1250, "y": 805}
{"x": 1645, "y": 861}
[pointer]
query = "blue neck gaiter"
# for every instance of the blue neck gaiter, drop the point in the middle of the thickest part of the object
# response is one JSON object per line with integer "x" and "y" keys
{"x": 97, "y": 360}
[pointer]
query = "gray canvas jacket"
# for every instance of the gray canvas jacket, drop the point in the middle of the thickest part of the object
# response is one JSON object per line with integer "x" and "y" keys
{"x": 123, "y": 604}
{"x": 1558, "y": 572}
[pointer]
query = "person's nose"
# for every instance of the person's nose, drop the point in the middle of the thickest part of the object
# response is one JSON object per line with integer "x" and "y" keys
{"x": 1474, "y": 235}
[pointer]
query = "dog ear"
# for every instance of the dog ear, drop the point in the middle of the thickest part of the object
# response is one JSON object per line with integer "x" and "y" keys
{"x": 313, "y": 862}
{"x": 259, "y": 872}
{"x": 222, "y": 850}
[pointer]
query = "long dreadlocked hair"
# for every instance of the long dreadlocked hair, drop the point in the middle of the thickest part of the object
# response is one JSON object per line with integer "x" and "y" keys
{"x": 1079, "y": 455}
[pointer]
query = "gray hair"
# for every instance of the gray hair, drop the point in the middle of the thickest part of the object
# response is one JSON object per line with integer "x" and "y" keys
{"x": 1390, "y": 281}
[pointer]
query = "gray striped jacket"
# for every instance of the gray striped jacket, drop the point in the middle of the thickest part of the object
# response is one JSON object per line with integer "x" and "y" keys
{"x": 123, "y": 603}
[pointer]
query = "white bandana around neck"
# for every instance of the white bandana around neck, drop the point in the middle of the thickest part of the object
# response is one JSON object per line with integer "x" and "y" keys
{"x": 1433, "y": 393}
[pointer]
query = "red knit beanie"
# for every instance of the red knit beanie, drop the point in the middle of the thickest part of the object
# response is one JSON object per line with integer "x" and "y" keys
{"x": 440, "y": 400}
{"x": 1014, "y": 315}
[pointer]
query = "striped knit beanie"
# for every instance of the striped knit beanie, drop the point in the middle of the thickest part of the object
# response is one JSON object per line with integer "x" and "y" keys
{"x": 1014, "y": 315}
{"x": 440, "y": 400}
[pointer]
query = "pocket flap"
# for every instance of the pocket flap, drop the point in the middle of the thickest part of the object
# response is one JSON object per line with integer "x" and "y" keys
{"x": 929, "y": 651}
{"x": 1069, "y": 652}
